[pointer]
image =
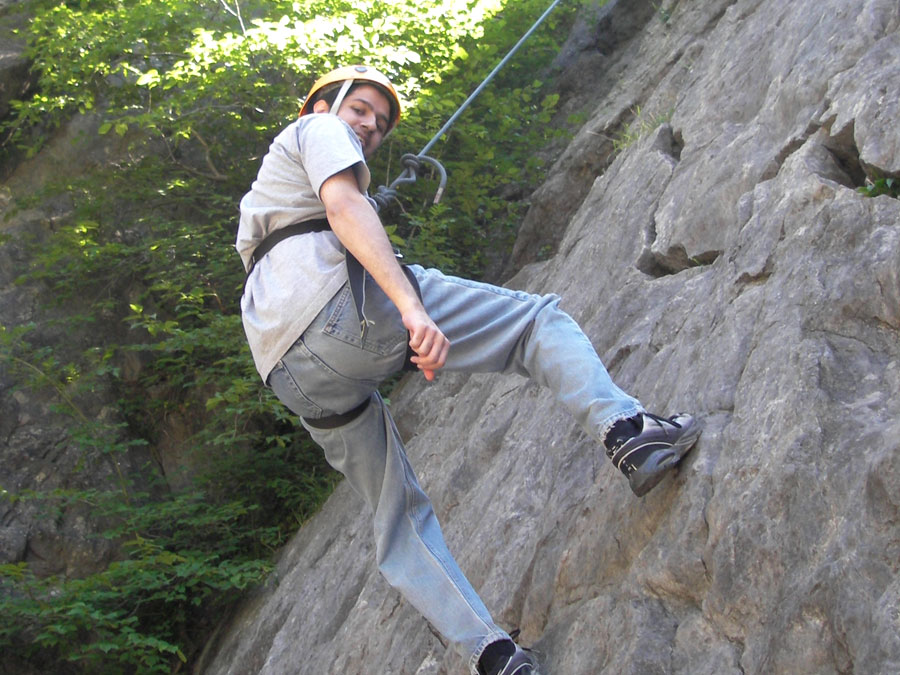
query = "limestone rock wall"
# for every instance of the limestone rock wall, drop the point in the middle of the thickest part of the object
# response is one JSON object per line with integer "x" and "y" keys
{"x": 722, "y": 262}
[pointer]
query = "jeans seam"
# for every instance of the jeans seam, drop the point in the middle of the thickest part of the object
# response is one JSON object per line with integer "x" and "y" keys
{"x": 521, "y": 296}
{"x": 333, "y": 329}
{"x": 417, "y": 527}
{"x": 320, "y": 363}
{"x": 299, "y": 393}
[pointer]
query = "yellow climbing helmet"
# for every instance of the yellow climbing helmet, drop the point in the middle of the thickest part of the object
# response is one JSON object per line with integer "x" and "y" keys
{"x": 344, "y": 78}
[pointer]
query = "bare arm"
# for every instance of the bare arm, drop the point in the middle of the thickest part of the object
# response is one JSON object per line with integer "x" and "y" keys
{"x": 359, "y": 229}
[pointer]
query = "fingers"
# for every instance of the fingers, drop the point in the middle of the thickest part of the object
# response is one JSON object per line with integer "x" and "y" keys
{"x": 431, "y": 348}
{"x": 427, "y": 341}
{"x": 431, "y": 357}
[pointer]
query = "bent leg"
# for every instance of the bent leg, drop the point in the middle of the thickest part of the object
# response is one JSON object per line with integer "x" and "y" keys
{"x": 495, "y": 329}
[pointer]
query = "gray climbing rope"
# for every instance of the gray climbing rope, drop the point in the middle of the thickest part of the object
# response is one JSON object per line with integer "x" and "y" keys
{"x": 412, "y": 163}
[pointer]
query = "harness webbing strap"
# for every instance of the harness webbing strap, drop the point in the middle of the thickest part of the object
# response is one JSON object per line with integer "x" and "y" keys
{"x": 335, "y": 421}
{"x": 356, "y": 273}
{"x": 273, "y": 238}
{"x": 408, "y": 365}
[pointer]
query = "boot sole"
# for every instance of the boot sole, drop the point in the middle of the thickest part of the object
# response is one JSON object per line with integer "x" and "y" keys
{"x": 657, "y": 465}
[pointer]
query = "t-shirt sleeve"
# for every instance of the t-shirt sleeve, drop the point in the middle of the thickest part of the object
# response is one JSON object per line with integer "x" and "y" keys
{"x": 328, "y": 146}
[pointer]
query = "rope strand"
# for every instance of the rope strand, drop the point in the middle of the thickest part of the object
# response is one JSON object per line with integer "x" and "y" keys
{"x": 412, "y": 163}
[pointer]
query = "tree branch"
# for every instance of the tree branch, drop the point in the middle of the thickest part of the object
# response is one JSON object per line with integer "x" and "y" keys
{"x": 214, "y": 173}
{"x": 236, "y": 12}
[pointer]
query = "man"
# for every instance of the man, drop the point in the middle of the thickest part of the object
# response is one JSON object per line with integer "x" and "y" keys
{"x": 323, "y": 340}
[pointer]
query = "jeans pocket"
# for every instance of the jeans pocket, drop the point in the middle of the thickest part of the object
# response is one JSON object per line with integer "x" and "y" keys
{"x": 385, "y": 334}
{"x": 285, "y": 387}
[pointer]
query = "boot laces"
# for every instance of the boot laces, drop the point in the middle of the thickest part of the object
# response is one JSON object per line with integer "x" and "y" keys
{"x": 660, "y": 420}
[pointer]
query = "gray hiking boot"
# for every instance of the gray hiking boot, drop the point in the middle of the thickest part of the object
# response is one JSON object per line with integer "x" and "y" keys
{"x": 650, "y": 447}
{"x": 519, "y": 663}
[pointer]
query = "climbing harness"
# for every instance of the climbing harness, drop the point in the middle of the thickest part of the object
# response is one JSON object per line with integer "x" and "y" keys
{"x": 342, "y": 79}
{"x": 412, "y": 163}
{"x": 355, "y": 271}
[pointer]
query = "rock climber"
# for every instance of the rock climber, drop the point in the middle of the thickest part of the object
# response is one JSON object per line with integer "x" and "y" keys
{"x": 324, "y": 346}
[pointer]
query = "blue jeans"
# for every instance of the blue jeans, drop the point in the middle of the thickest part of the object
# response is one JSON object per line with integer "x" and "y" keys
{"x": 331, "y": 370}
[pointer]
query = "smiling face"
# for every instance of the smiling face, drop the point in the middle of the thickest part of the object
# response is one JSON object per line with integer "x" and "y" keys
{"x": 367, "y": 111}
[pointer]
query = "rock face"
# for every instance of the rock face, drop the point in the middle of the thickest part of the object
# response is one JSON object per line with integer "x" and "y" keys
{"x": 37, "y": 449}
{"x": 724, "y": 263}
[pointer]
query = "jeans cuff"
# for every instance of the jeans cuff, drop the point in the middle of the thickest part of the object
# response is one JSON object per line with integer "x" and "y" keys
{"x": 609, "y": 422}
{"x": 489, "y": 639}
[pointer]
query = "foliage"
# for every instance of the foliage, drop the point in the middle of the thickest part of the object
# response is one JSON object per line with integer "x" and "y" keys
{"x": 490, "y": 150}
{"x": 187, "y": 553}
{"x": 640, "y": 126}
{"x": 101, "y": 622}
{"x": 879, "y": 185}
{"x": 196, "y": 90}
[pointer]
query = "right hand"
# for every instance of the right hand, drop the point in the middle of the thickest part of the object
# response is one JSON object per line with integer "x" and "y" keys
{"x": 427, "y": 341}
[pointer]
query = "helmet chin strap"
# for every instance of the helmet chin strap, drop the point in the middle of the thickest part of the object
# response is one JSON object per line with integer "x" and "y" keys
{"x": 340, "y": 96}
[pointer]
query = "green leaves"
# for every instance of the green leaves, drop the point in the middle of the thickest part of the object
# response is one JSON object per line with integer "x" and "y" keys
{"x": 197, "y": 91}
{"x": 100, "y": 623}
{"x": 875, "y": 187}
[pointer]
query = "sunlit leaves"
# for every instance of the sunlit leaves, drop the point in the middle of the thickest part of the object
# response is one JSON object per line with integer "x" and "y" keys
{"x": 200, "y": 88}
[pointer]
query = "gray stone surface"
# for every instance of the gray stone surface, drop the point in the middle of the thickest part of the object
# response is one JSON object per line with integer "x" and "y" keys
{"x": 722, "y": 263}
{"x": 704, "y": 227}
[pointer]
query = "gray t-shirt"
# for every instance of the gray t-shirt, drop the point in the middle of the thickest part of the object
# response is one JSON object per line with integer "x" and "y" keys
{"x": 297, "y": 278}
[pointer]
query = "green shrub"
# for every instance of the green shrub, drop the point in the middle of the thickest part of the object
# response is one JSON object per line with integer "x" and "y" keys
{"x": 198, "y": 90}
{"x": 879, "y": 185}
